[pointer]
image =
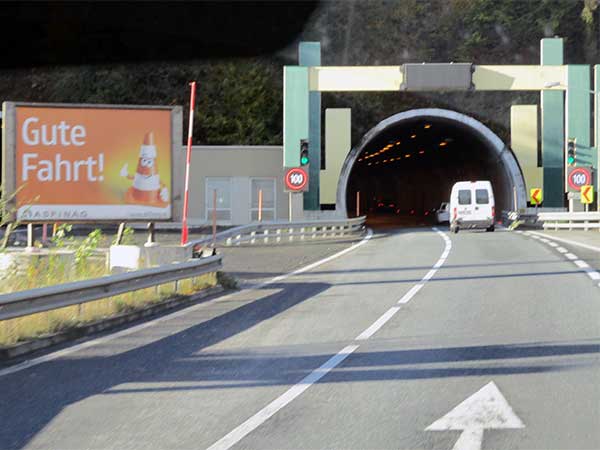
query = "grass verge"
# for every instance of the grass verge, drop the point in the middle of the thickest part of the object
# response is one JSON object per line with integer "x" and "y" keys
{"x": 14, "y": 331}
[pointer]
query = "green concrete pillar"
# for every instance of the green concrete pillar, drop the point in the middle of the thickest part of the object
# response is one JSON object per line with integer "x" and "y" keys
{"x": 553, "y": 129}
{"x": 295, "y": 113}
{"x": 309, "y": 54}
{"x": 579, "y": 113}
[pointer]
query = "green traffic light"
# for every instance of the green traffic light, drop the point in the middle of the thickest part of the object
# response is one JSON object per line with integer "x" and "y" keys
{"x": 570, "y": 160}
{"x": 304, "y": 160}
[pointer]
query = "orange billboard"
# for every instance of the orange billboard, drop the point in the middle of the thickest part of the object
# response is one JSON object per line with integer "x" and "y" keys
{"x": 87, "y": 164}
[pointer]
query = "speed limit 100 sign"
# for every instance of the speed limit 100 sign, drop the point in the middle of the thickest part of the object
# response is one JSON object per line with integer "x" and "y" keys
{"x": 578, "y": 177}
{"x": 296, "y": 179}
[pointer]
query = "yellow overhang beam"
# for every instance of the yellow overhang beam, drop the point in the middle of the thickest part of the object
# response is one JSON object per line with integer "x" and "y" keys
{"x": 519, "y": 78}
{"x": 359, "y": 78}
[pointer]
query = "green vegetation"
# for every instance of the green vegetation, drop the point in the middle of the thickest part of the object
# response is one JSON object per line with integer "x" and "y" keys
{"x": 239, "y": 101}
{"x": 28, "y": 327}
{"x": 78, "y": 259}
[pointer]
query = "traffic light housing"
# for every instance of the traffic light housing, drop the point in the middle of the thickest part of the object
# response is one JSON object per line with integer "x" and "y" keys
{"x": 571, "y": 152}
{"x": 304, "y": 159}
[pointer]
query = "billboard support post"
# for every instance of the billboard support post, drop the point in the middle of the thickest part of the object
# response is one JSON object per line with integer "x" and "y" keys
{"x": 214, "y": 219}
{"x": 184, "y": 228}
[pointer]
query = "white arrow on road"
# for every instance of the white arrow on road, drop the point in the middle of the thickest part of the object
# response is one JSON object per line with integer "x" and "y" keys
{"x": 486, "y": 408}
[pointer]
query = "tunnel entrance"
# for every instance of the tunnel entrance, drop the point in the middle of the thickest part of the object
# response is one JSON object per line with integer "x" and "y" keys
{"x": 404, "y": 167}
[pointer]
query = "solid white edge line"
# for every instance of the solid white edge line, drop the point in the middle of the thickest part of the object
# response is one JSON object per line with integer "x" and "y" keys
{"x": 238, "y": 433}
{"x": 568, "y": 241}
{"x": 429, "y": 275}
{"x": 377, "y": 324}
{"x": 60, "y": 353}
{"x": 410, "y": 294}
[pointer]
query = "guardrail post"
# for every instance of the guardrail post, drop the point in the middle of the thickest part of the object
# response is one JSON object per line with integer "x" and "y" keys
{"x": 228, "y": 242}
{"x": 302, "y": 235}
{"x": 291, "y": 231}
{"x": 252, "y": 237}
{"x": 314, "y": 229}
{"x": 278, "y": 235}
{"x": 238, "y": 238}
{"x": 266, "y": 236}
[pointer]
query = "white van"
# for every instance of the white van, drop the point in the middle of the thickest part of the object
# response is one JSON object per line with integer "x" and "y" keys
{"x": 472, "y": 205}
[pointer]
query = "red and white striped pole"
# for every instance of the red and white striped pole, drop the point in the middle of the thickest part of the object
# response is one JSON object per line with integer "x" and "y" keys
{"x": 184, "y": 227}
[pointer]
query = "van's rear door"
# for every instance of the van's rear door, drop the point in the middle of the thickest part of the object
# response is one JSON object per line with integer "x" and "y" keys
{"x": 465, "y": 203}
{"x": 483, "y": 203}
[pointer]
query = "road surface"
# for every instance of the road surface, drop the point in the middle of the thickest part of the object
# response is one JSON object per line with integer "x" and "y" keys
{"x": 413, "y": 340}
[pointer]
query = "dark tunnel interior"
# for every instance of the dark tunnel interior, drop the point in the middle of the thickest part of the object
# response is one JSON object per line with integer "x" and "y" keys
{"x": 406, "y": 171}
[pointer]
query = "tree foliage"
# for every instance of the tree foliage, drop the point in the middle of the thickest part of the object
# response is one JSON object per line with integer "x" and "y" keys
{"x": 240, "y": 101}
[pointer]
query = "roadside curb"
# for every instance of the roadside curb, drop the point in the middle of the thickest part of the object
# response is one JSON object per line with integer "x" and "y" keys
{"x": 23, "y": 348}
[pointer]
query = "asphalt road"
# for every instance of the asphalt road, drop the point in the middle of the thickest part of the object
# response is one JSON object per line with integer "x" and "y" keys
{"x": 329, "y": 358}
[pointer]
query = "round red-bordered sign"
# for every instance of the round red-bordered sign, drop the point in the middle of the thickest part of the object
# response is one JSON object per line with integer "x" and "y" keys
{"x": 578, "y": 177}
{"x": 296, "y": 179}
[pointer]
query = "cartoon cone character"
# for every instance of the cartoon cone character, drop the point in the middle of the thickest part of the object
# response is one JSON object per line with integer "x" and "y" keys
{"x": 147, "y": 187}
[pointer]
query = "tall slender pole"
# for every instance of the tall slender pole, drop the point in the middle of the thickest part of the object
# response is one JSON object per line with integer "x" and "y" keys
{"x": 184, "y": 227}
{"x": 260, "y": 204}
{"x": 214, "y": 219}
{"x": 357, "y": 203}
{"x": 290, "y": 206}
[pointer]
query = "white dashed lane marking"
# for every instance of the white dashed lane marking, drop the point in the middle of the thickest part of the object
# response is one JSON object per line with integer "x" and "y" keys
{"x": 585, "y": 267}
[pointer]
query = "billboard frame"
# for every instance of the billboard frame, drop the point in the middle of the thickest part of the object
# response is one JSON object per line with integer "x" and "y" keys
{"x": 9, "y": 155}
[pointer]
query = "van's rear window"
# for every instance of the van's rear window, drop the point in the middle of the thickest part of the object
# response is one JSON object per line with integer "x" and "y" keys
{"x": 481, "y": 196}
{"x": 464, "y": 197}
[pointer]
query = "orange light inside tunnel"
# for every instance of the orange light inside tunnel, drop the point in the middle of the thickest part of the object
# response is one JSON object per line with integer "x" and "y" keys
{"x": 421, "y": 152}
{"x": 427, "y": 125}
{"x": 412, "y": 136}
{"x": 443, "y": 144}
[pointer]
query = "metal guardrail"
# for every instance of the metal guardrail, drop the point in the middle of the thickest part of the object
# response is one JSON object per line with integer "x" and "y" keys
{"x": 37, "y": 300}
{"x": 528, "y": 216}
{"x": 570, "y": 220}
{"x": 276, "y": 232}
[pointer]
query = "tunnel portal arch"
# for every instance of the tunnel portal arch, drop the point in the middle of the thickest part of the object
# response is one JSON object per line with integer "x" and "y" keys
{"x": 510, "y": 167}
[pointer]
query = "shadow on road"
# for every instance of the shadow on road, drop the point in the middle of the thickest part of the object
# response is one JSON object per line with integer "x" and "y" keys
{"x": 38, "y": 394}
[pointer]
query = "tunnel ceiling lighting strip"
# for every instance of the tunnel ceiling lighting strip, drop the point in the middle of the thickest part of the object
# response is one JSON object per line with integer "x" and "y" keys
{"x": 427, "y": 125}
{"x": 443, "y": 144}
{"x": 413, "y": 136}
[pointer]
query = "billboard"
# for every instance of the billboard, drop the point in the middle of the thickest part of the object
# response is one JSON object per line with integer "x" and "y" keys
{"x": 89, "y": 163}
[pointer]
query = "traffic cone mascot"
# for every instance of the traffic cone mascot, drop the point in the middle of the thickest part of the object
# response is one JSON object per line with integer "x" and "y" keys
{"x": 147, "y": 188}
